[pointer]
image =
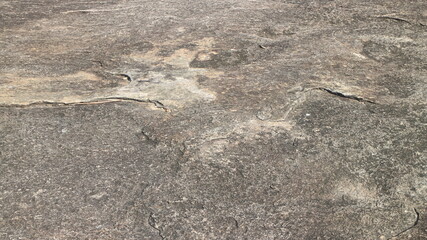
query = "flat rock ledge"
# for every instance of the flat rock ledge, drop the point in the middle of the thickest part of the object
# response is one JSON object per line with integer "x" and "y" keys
{"x": 227, "y": 119}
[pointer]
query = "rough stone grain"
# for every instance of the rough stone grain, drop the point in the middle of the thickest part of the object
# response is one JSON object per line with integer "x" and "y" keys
{"x": 228, "y": 119}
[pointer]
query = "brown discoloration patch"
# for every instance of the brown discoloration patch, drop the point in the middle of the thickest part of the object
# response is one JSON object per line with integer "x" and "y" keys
{"x": 180, "y": 58}
{"x": 176, "y": 86}
{"x": 182, "y": 86}
{"x": 76, "y": 87}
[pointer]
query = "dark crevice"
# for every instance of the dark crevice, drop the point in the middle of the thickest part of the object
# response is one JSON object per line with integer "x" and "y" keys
{"x": 343, "y": 95}
{"x": 128, "y": 77}
{"x": 236, "y": 223}
{"x": 99, "y": 62}
{"x": 395, "y": 19}
{"x": 400, "y": 20}
{"x": 182, "y": 149}
{"x": 148, "y": 138}
{"x": 409, "y": 228}
{"x": 152, "y": 223}
{"x": 156, "y": 103}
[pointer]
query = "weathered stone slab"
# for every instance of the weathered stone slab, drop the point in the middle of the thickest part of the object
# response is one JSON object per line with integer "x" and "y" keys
{"x": 185, "y": 119}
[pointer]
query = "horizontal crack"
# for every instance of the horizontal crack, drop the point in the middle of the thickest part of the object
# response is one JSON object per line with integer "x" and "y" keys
{"x": 127, "y": 76}
{"x": 400, "y": 20}
{"x": 156, "y": 103}
{"x": 343, "y": 95}
{"x": 395, "y": 18}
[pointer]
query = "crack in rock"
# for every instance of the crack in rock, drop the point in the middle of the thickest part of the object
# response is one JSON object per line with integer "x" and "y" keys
{"x": 401, "y": 20}
{"x": 344, "y": 95}
{"x": 148, "y": 138}
{"x": 156, "y": 103}
{"x": 409, "y": 228}
{"x": 169, "y": 79}
{"x": 152, "y": 223}
{"x": 127, "y": 76}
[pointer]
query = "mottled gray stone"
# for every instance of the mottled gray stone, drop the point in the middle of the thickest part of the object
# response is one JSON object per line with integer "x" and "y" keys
{"x": 223, "y": 119}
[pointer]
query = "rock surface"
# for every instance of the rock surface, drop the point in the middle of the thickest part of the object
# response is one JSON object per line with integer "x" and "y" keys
{"x": 180, "y": 119}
